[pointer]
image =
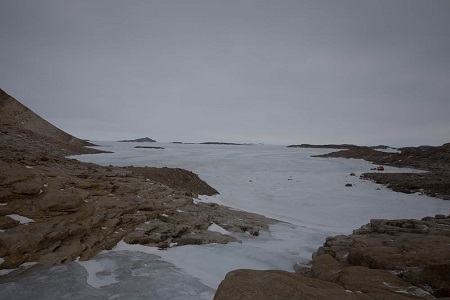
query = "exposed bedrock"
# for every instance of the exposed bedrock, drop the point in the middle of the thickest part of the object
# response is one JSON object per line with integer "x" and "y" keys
{"x": 385, "y": 259}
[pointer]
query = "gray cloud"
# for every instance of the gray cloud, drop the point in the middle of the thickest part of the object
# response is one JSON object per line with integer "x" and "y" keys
{"x": 363, "y": 72}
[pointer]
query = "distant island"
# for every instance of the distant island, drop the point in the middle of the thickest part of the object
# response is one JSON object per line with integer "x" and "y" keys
{"x": 340, "y": 146}
{"x": 222, "y": 143}
{"x": 141, "y": 140}
{"x": 147, "y": 147}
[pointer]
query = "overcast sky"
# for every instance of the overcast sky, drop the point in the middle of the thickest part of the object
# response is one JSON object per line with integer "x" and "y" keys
{"x": 275, "y": 72}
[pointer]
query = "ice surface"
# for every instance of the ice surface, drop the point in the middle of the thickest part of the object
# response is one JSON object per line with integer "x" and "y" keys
{"x": 138, "y": 276}
{"x": 21, "y": 219}
{"x": 99, "y": 272}
{"x": 308, "y": 194}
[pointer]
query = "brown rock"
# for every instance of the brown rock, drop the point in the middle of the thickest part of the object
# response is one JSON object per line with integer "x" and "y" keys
{"x": 65, "y": 201}
{"x": 7, "y": 223}
{"x": 272, "y": 284}
{"x": 30, "y": 187}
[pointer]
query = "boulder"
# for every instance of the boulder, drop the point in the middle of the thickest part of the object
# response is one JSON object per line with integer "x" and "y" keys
{"x": 272, "y": 284}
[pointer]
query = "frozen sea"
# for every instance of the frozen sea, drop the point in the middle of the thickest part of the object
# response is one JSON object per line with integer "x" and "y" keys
{"x": 308, "y": 194}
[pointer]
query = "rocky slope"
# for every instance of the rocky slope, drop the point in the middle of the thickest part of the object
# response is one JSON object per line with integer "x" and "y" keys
{"x": 54, "y": 209}
{"x": 385, "y": 259}
{"x": 435, "y": 160}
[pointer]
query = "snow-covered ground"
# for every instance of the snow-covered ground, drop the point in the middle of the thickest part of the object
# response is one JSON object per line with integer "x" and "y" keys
{"x": 283, "y": 183}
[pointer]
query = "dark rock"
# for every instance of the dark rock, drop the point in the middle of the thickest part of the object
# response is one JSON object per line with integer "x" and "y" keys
{"x": 146, "y": 147}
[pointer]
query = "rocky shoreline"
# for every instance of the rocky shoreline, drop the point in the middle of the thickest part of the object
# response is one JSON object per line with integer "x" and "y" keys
{"x": 434, "y": 161}
{"x": 385, "y": 259}
{"x": 55, "y": 210}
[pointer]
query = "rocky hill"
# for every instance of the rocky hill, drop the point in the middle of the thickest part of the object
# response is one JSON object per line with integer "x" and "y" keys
{"x": 20, "y": 128}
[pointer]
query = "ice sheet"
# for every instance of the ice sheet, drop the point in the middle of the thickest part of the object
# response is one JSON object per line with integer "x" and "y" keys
{"x": 283, "y": 183}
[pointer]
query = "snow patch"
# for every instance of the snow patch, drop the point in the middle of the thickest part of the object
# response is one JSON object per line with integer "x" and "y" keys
{"x": 21, "y": 219}
{"x": 217, "y": 228}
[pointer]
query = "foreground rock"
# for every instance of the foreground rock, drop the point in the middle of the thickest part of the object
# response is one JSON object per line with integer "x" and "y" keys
{"x": 434, "y": 160}
{"x": 54, "y": 209}
{"x": 385, "y": 259}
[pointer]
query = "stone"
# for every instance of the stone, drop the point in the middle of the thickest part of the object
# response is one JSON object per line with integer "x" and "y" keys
{"x": 29, "y": 187}
{"x": 272, "y": 284}
{"x": 7, "y": 222}
{"x": 65, "y": 201}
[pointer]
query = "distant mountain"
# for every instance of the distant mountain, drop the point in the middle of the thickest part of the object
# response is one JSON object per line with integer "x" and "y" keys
{"x": 141, "y": 140}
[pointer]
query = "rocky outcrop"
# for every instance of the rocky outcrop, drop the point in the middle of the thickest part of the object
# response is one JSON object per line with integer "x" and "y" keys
{"x": 273, "y": 284}
{"x": 385, "y": 259}
{"x": 54, "y": 209}
{"x": 434, "y": 160}
{"x": 20, "y": 127}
